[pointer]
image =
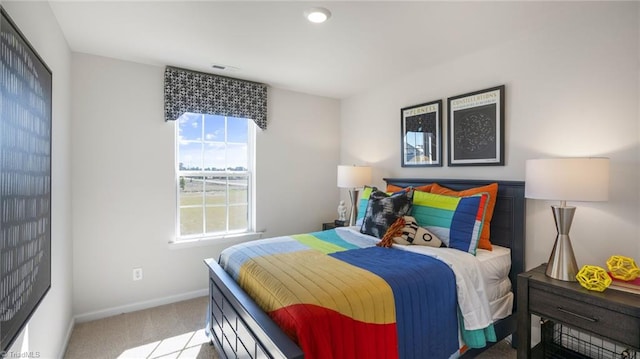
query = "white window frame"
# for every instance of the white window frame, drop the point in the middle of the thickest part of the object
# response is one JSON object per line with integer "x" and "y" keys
{"x": 249, "y": 232}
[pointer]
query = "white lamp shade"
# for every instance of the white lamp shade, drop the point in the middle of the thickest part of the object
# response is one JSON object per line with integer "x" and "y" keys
{"x": 353, "y": 176}
{"x": 568, "y": 179}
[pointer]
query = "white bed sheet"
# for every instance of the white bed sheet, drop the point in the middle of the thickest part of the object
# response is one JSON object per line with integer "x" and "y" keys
{"x": 501, "y": 307}
{"x": 495, "y": 266}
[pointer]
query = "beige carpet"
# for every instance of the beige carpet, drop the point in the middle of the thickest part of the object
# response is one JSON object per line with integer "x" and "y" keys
{"x": 169, "y": 331}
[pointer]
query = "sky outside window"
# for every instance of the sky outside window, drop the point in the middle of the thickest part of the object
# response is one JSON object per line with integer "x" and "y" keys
{"x": 204, "y": 144}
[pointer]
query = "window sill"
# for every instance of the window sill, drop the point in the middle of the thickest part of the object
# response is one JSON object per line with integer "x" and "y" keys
{"x": 212, "y": 241}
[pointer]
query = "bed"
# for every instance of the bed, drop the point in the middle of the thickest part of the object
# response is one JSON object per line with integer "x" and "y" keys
{"x": 240, "y": 328}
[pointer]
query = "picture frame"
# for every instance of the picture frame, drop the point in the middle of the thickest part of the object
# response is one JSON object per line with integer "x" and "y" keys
{"x": 25, "y": 184}
{"x": 476, "y": 128}
{"x": 421, "y": 135}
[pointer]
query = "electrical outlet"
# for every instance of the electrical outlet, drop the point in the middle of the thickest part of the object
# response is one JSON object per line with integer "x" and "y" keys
{"x": 137, "y": 273}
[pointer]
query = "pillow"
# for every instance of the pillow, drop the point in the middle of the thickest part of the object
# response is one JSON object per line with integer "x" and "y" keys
{"x": 456, "y": 221}
{"x": 391, "y": 188}
{"x": 366, "y": 192}
{"x": 492, "y": 190}
{"x": 363, "y": 202}
{"x": 412, "y": 233}
{"x": 383, "y": 210}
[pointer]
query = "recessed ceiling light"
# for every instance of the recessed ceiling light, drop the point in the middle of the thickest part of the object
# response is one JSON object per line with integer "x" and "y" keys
{"x": 317, "y": 15}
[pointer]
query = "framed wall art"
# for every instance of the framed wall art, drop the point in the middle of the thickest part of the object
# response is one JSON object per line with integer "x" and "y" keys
{"x": 25, "y": 184}
{"x": 421, "y": 132}
{"x": 476, "y": 128}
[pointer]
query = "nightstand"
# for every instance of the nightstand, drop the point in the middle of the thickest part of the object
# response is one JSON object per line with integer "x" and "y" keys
{"x": 329, "y": 225}
{"x": 611, "y": 315}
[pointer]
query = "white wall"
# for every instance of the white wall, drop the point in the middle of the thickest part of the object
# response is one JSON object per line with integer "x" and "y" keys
{"x": 49, "y": 328}
{"x": 638, "y": 94}
{"x": 297, "y": 164}
{"x": 124, "y": 191}
{"x": 571, "y": 90}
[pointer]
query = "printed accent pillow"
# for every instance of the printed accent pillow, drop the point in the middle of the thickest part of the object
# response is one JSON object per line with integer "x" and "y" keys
{"x": 492, "y": 190}
{"x": 383, "y": 210}
{"x": 412, "y": 233}
{"x": 456, "y": 221}
{"x": 363, "y": 202}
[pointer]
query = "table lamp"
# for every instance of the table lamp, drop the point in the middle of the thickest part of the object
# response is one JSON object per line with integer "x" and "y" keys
{"x": 566, "y": 179}
{"x": 353, "y": 178}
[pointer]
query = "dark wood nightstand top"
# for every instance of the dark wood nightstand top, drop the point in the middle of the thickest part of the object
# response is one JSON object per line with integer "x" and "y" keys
{"x": 610, "y": 298}
{"x": 329, "y": 225}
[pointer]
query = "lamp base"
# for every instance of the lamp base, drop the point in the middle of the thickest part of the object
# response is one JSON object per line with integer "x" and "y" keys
{"x": 354, "y": 207}
{"x": 562, "y": 262}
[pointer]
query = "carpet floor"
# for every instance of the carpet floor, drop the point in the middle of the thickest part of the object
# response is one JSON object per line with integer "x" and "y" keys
{"x": 168, "y": 331}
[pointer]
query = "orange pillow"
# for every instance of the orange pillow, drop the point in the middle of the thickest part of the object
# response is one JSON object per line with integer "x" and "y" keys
{"x": 392, "y": 188}
{"x": 492, "y": 189}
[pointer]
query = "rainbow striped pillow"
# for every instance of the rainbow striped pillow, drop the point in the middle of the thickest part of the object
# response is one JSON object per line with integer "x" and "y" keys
{"x": 363, "y": 202}
{"x": 457, "y": 221}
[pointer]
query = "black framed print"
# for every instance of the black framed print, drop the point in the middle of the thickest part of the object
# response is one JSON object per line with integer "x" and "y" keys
{"x": 476, "y": 128}
{"x": 25, "y": 184}
{"x": 421, "y": 132}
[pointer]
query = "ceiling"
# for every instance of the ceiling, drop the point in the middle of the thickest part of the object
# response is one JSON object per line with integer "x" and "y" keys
{"x": 363, "y": 43}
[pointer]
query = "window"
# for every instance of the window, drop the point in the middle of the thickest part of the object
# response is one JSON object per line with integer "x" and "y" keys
{"x": 214, "y": 168}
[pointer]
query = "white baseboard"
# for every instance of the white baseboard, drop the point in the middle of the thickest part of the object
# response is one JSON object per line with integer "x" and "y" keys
{"x": 109, "y": 312}
{"x": 72, "y": 323}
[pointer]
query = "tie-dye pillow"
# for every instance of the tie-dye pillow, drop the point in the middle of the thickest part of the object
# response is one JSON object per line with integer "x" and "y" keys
{"x": 383, "y": 210}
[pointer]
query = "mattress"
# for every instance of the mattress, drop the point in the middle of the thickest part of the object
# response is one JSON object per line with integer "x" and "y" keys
{"x": 495, "y": 266}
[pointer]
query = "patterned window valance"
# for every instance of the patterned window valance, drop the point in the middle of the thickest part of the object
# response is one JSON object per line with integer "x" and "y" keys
{"x": 190, "y": 91}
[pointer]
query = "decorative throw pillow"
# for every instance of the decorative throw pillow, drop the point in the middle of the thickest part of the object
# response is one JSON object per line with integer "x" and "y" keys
{"x": 412, "y": 233}
{"x": 383, "y": 210}
{"x": 456, "y": 221}
{"x": 363, "y": 202}
{"x": 492, "y": 190}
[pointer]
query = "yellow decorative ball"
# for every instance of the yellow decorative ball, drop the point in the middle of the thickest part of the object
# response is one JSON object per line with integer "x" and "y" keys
{"x": 593, "y": 278}
{"x": 622, "y": 267}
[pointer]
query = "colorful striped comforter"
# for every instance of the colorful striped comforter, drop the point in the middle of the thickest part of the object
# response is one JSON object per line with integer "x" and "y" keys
{"x": 339, "y": 296}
